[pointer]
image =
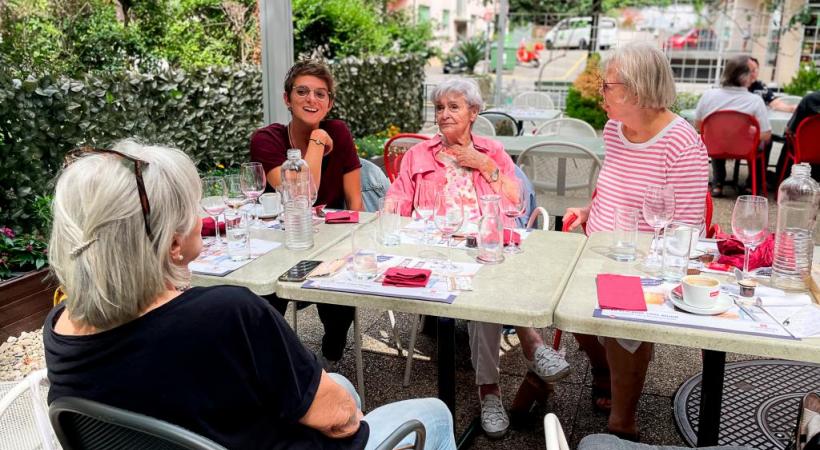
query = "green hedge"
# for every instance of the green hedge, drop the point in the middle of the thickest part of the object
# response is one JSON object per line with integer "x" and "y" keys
{"x": 210, "y": 114}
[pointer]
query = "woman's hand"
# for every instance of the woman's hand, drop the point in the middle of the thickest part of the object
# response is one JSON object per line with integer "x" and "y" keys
{"x": 468, "y": 156}
{"x": 581, "y": 216}
{"x": 322, "y": 136}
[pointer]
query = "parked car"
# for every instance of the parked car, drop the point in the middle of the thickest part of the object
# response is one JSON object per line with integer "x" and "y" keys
{"x": 577, "y": 32}
{"x": 695, "y": 38}
{"x": 454, "y": 63}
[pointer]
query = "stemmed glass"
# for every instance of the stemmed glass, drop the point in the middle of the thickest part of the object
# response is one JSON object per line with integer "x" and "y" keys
{"x": 514, "y": 208}
{"x": 234, "y": 197}
{"x": 658, "y": 210}
{"x": 448, "y": 216}
{"x": 213, "y": 201}
{"x": 252, "y": 182}
{"x": 750, "y": 223}
{"x": 424, "y": 203}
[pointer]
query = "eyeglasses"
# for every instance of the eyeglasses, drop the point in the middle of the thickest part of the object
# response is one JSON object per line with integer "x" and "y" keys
{"x": 321, "y": 94}
{"x": 606, "y": 86}
{"x": 78, "y": 153}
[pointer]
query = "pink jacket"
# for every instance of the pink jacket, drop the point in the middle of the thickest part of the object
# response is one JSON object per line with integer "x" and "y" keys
{"x": 420, "y": 163}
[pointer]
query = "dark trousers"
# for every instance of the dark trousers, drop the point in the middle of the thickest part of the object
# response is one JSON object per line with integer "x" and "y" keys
{"x": 336, "y": 320}
{"x": 719, "y": 169}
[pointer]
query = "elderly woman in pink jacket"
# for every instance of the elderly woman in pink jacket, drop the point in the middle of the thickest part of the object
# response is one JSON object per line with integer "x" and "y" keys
{"x": 459, "y": 161}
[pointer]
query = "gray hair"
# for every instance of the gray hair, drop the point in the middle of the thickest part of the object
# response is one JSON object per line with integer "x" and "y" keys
{"x": 464, "y": 86}
{"x": 646, "y": 74}
{"x": 736, "y": 72}
{"x": 99, "y": 249}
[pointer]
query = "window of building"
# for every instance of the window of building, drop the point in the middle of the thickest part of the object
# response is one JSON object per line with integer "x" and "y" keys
{"x": 811, "y": 35}
{"x": 424, "y": 13}
{"x": 445, "y": 19}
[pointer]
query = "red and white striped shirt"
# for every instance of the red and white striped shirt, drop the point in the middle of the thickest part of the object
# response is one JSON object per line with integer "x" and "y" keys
{"x": 674, "y": 156}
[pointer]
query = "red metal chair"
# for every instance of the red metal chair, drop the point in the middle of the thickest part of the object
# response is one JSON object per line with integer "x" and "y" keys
{"x": 394, "y": 150}
{"x": 735, "y": 135}
{"x": 800, "y": 148}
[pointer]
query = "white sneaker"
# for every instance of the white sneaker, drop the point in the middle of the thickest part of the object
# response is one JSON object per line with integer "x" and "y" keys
{"x": 548, "y": 364}
{"x": 494, "y": 418}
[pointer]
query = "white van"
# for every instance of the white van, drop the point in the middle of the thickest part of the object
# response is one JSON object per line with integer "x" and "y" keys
{"x": 576, "y": 32}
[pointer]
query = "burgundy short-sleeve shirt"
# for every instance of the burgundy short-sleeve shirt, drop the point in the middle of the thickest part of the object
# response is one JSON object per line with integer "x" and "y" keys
{"x": 269, "y": 146}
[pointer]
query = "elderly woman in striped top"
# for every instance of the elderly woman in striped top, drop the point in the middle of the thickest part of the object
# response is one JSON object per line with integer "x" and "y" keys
{"x": 646, "y": 144}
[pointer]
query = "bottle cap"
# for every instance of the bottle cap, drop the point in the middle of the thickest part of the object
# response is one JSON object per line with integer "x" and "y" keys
{"x": 294, "y": 153}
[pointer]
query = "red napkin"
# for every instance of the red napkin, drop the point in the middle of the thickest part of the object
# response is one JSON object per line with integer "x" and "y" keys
{"x": 342, "y": 217}
{"x": 620, "y": 292}
{"x": 731, "y": 252}
{"x": 511, "y": 237}
{"x": 404, "y": 277}
{"x": 208, "y": 227}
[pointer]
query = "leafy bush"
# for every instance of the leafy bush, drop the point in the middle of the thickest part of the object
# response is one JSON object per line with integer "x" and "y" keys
{"x": 373, "y": 145}
{"x": 472, "y": 50}
{"x": 685, "y": 100}
{"x": 805, "y": 80}
{"x": 20, "y": 253}
{"x": 209, "y": 113}
{"x": 583, "y": 99}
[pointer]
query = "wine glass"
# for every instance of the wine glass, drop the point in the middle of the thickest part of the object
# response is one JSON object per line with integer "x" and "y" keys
{"x": 424, "y": 203}
{"x": 234, "y": 197}
{"x": 213, "y": 201}
{"x": 514, "y": 208}
{"x": 750, "y": 223}
{"x": 448, "y": 215}
{"x": 658, "y": 210}
{"x": 252, "y": 182}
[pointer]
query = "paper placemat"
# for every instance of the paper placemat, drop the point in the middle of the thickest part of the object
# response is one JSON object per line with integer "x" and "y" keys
{"x": 215, "y": 261}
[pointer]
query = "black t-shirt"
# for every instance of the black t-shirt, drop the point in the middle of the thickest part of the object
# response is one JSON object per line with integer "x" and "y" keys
{"x": 760, "y": 89}
{"x": 218, "y": 361}
{"x": 809, "y": 106}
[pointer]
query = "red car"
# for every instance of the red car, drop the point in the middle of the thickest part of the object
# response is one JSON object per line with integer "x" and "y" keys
{"x": 696, "y": 38}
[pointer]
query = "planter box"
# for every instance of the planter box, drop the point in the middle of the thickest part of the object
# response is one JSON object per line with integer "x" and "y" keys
{"x": 24, "y": 303}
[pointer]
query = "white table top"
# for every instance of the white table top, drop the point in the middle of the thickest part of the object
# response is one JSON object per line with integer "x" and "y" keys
{"x": 574, "y": 313}
{"x": 260, "y": 275}
{"x": 522, "y": 114}
{"x": 778, "y": 119}
{"x": 522, "y": 291}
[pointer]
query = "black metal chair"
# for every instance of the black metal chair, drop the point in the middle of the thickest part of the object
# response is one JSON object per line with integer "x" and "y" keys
{"x": 87, "y": 425}
{"x": 505, "y": 124}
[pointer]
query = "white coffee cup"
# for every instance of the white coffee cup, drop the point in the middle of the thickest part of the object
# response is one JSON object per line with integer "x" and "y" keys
{"x": 700, "y": 291}
{"x": 271, "y": 202}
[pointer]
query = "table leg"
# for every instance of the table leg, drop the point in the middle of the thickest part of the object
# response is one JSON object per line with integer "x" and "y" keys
{"x": 711, "y": 397}
{"x": 447, "y": 363}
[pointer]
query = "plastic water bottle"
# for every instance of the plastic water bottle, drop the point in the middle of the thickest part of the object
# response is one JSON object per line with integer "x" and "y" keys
{"x": 296, "y": 194}
{"x": 797, "y": 202}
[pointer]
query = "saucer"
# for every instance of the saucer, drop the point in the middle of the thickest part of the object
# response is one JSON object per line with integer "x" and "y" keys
{"x": 723, "y": 304}
{"x": 263, "y": 214}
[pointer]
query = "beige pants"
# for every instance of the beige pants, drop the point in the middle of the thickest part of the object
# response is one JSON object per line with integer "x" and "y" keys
{"x": 485, "y": 345}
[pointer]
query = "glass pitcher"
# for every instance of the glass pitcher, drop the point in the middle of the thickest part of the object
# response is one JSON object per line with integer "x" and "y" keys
{"x": 490, "y": 230}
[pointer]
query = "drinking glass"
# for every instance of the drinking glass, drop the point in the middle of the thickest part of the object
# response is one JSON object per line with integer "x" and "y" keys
{"x": 448, "y": 216}
{"x": 213, "y": 201}
{"x": 658, "y": 210}
{"x": 677, "y": 238}
{"x": 365, "y": 258}
{"x": 390, "y": 220}
{"x": 234, "y": 197}
{"x": 514, "y": 208}
{"x": 626, "y": 233}
{"x": 424, "y": 203}
{"x": 252, "y": 182}
{"x": 750, "y": 223}
{"x": 238, "y": 237}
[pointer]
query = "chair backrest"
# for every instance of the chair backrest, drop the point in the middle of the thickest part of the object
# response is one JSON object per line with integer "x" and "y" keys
{"x": 731, "y": 135}
{"x": 554, "y": 434}
{"x": 482, "y": 126}
{"x": 582, "y": 165}
{"x": 394, "y": 150}
{"x": 806, "y": 147}
{"x": 24, "y": 413}
{"x": 398, "y": 435}
{"x": 532, "y": 99}
{"x": 504, "y": 124}
{"x": 531, "y": 200}
{"x": 566, "y": 126}
{"x": 536, "y": 213}
{"x": 84, "y": 424}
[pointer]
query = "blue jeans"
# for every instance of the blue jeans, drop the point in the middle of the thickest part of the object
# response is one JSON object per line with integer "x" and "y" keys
{"x": 437, "y": 420}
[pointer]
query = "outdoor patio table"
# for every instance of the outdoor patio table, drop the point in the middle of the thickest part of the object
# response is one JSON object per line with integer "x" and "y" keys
{"x": 575, "y": 314}
{"x": 778, "y": 119}
{"x": 534, "y": 114}
{"x": 521, "y": 291}
{"x": 260, "y": 275}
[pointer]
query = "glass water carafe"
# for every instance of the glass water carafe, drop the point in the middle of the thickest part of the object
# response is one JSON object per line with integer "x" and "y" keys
{"x": 490, "y": 230}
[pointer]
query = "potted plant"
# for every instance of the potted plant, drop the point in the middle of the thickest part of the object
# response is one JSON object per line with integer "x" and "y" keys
{"x": 583, "y": 98}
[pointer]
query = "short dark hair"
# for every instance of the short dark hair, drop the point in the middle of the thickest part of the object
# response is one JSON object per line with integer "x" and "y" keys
{"x": 736, "y": 71}
{"x": 312, "y": 67}
{"x": 752, "y": 58}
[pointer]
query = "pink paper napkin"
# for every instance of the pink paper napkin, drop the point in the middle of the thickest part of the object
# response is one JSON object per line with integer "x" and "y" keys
{"x": 208, "y": 227}
{"x": 620, "y": 292}
{"x": 404, "y": 277}
{"x": 511, "y": 237}
{"x": 342, "y": 217}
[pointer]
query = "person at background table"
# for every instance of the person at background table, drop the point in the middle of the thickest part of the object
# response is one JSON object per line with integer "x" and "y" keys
{"x": 218, "y": 361}
{"x": 759, "y": 88}
{"x": 733, "y": 95}
{"x": 808, "y": 106}
{"x": 470, "y": 166}
{"x": 645, "y": 144}
{"x": 327, "y": 146}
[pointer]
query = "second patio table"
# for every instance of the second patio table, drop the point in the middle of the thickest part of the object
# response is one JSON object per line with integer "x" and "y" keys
{"x": 575, "y": 313}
